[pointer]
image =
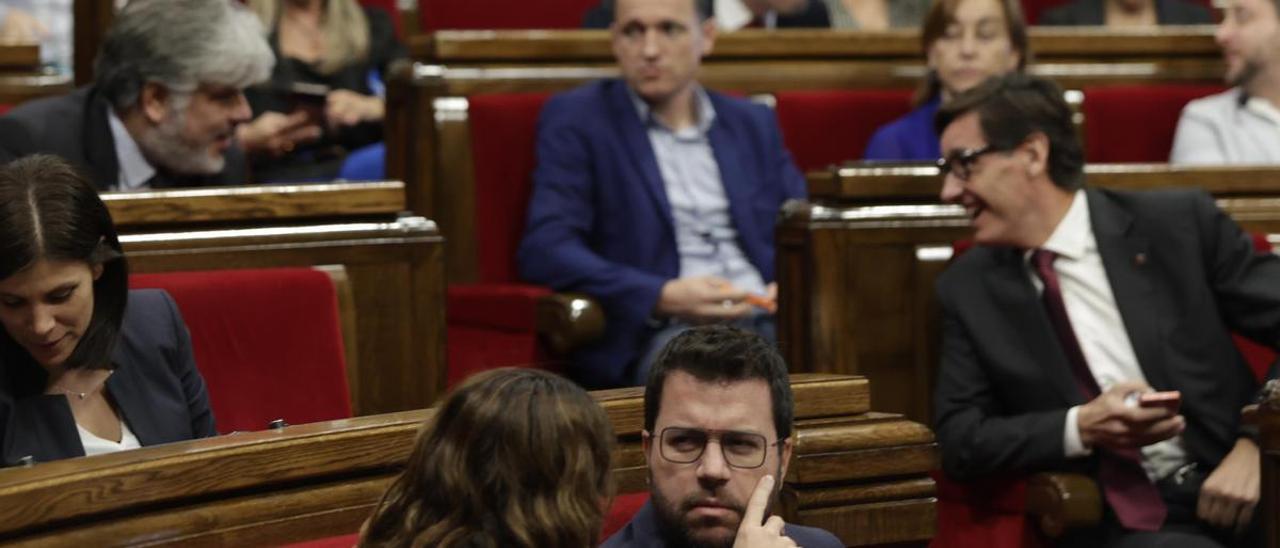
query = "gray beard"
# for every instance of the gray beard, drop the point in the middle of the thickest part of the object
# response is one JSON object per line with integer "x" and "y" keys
{"x": 165, "y": 148}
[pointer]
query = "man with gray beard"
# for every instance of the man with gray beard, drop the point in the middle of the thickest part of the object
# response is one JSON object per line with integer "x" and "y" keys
{"x": 1242, "y": 124}
{"x": 166, "y": 101}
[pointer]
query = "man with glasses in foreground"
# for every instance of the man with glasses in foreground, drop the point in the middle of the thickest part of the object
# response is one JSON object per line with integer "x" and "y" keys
{"x": 1090, "y": 330}
{"x": 718, "y": 423}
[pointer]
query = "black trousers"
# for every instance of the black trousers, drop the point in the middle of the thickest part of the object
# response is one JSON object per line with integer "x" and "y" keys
{"x": 1182, "y": 529}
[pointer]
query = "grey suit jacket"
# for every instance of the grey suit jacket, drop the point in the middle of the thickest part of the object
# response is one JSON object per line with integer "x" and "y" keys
{"x": 75, "y": 127}
{"x": 156, "y": 387}
{"x": 1184, "y": 277}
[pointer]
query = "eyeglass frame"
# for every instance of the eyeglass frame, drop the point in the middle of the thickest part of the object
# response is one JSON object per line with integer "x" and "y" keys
{"x": 961, "y": 164}
{"x": 718, "y": 435}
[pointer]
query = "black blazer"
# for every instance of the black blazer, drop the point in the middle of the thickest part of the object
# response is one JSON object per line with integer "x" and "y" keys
{"x": 813, "y": 16}
{"x": 156, "y": 388}
{"x": 1093, "y": 12}
{"x": 1183, "y": 274}
{"x": 75, "y": 127}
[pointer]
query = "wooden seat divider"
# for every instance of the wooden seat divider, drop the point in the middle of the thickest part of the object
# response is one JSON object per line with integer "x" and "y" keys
{"x": 860, "y": 474}
{"x": 395, "y": 266}
{"x": 22, "y": 78}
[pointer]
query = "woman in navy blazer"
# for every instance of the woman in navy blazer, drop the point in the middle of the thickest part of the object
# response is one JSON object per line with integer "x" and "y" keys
{"x": 81, "y": 372}
{"x": 965, "y": 42}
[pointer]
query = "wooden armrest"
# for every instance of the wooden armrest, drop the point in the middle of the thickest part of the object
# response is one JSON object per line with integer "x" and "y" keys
{"x": 567, "y": 321}
{"x": 1060, "y": 502}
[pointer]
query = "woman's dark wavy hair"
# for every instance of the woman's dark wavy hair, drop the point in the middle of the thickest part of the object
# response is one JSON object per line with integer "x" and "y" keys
{"x": 942, "y": 14}
{"x": 513, "y": 457}
{"x": 49, "y": 211}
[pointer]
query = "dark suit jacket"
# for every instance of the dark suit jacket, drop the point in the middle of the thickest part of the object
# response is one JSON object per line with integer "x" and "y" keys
{"x": 599, "y": 221}
{"x": 1184, "y": 276}
{"x": 75, "y": 127}
{"x": 156, "y": 388}
{"x": 815, "y": 15}
{"x": 1093, "y": 12}
{"x": 642, "y": 532}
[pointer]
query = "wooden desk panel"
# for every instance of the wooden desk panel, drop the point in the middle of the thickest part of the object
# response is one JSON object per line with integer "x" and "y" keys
{"x": 318, "y": 480}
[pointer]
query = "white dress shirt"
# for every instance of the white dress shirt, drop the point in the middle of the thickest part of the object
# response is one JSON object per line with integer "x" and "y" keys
{"x": 733, "y": 15}
{"x": 1095, "y": 318}
{"x": 1228, "y": 128}
{"x": 135, "y": 170}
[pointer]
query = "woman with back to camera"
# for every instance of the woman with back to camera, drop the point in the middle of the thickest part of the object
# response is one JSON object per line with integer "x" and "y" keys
{"x": 965, "y": 42}
{"x": 343, "y": 51}
{"x": 512, "y": 458}
{"x": 86, "y": 366}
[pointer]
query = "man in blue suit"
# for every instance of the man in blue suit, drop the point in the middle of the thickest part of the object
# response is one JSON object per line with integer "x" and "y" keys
{"x": 655, "y": 196}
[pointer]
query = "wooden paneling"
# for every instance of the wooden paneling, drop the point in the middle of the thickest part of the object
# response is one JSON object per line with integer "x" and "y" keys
{"x": 289, "y": 203}
{"x": 856, "y": 265}
{"x": 92, "y": 19}
{"x": 318, "y": 480}
{"x": 539, "y": 46}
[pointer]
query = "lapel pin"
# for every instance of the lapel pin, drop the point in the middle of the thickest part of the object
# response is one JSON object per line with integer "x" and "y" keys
{"x": 1140, "y": 259}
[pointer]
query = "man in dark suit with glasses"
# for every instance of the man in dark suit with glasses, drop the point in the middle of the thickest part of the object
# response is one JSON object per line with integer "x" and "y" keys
{"x": 718, "y": 421}
{"x": 1090, "y": 330}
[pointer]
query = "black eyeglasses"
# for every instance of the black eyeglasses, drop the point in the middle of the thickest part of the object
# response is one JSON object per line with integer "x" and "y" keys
{"x": 740, "y": 449}
{"x": 961, "y": 162}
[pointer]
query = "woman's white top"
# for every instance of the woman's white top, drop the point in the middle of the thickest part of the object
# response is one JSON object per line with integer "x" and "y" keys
{"x": 93, "y": 445}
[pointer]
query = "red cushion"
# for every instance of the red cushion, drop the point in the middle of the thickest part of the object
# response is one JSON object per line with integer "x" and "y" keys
{"x": 822, "y": 128}
{"x": 502, "y": 14}
{"x": 492, "y": 325}
{"x": 1135, "y": 123}
{"x": 268, "y": 343}
{"x": 624, "y": 507}
{"x": 503, "y": 137}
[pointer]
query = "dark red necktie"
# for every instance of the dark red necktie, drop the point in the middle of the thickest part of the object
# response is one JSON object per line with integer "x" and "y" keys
{"x": 1132, "y": 496}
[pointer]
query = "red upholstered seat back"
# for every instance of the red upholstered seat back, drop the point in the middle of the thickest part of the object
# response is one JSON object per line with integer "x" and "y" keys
{"x": 1258, "y": 356}
{"x": 503, "y": 136}
{"x": 502, "y": 14}
{"x": 822, "y": 128}
{"x": 1135, "y": 123}
{"x": 267, "y": 342}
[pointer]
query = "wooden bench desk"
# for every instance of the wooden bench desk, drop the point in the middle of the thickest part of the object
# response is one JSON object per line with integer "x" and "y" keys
{"x": 395, "y": 265}
{"x": 860, "y": 474}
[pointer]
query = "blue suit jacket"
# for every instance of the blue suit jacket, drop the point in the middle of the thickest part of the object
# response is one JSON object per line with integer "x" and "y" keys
{"x": 642, "y": 532}
{"x": 909, "y": 138}
{"x": 599, "y": 221}
{"x": 156, "y": 386}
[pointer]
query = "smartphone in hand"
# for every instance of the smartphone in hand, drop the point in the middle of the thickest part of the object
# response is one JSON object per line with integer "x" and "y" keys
{"x": 1171, "y": 400}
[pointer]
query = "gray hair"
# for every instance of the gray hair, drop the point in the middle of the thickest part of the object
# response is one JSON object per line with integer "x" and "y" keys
{"x": 181, "y": 44}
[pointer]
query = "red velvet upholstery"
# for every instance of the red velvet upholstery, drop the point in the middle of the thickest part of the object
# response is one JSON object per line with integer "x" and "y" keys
{"x": 822, "y": 128}
{"x": 268, "y": 343}
{"x": 991, "y": 512}
{"x": 5, "y": 107}
{"x": 502, "y": 14}
{"x": 492, "y": 323}
{"x": 1135, "y": 123}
